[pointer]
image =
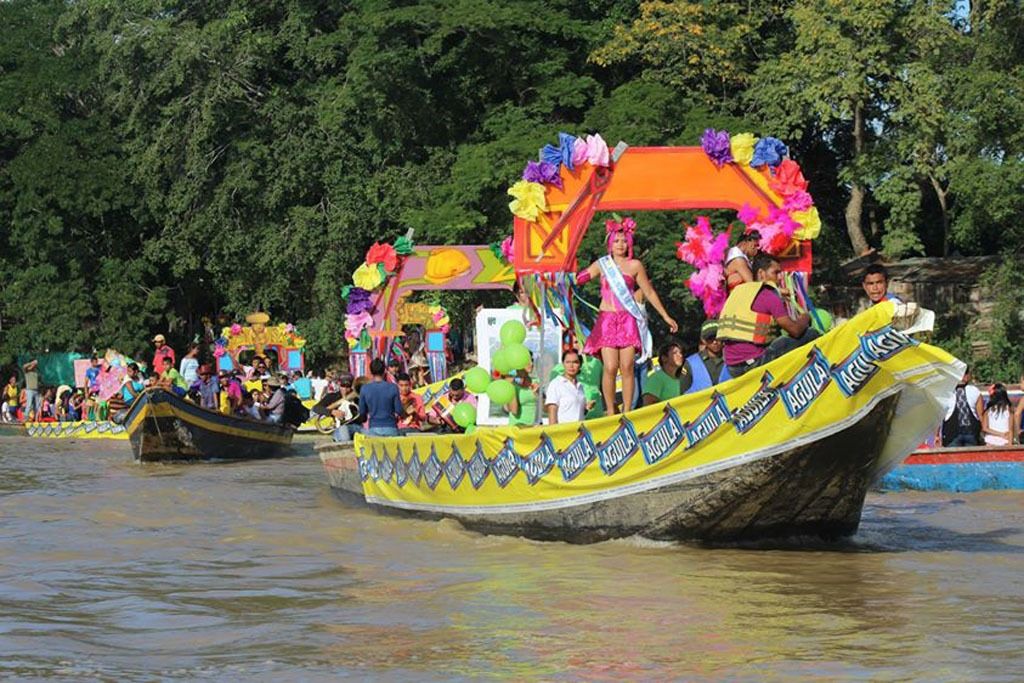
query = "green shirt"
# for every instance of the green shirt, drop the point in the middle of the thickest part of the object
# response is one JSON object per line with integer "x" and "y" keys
{"x": 661, "y": 385}
{"x": 527, "y": 407}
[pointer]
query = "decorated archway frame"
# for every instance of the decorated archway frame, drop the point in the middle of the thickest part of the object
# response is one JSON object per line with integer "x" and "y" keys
{"x": 378, "y": 303}
{"x": 283, "y": 338}
{"x": 557, "y": 196}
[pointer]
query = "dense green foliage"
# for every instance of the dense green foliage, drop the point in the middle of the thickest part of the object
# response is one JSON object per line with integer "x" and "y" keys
{"x": 163, "y": 160}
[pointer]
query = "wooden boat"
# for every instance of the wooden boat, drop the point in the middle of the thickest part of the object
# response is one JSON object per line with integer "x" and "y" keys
{"x": 162, "y": 427}
{"x": 972, "y": 468}
{"x": 790, "y": 449}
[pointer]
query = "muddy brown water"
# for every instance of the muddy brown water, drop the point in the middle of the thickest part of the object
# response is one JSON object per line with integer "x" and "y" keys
{"x": 254, "y": 571}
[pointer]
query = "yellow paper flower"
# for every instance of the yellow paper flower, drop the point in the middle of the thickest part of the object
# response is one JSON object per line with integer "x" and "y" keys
{"x": 529, "y": 200}
{"x": 367, "y": 277}
{"x": 810, "y": 223}
{"x": 742, "y": 147}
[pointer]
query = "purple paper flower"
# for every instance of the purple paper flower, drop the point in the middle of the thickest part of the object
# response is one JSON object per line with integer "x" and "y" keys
{"x": 358, "y": 301}
{"x": 542, "y": 172}
{"x": 768, "y": 151}
{"x": 716, "y": 145}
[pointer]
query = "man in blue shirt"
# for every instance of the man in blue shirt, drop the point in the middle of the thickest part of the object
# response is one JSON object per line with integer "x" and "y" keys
{"x": 380, "y": 402}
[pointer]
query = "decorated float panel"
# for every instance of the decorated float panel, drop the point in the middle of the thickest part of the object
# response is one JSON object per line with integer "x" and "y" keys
{"x": 379, "y": 299}
{"x": 259, "y": 337}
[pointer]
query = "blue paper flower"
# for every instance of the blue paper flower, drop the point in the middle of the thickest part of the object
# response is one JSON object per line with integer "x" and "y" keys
{"x": 769, "y": 151}
{"x": 562, "y": 154}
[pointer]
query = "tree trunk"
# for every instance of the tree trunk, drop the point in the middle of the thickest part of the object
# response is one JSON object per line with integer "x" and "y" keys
{"x": 855, "y": 207}
{"x": 941, "y": 194}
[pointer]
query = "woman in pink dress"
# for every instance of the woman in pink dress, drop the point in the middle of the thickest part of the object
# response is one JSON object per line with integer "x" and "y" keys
{"x": 620, "y": 332}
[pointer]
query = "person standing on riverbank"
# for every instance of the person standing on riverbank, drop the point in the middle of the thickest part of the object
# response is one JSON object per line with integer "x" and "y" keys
{"x": 10, "y": 399}
{"x": 163, "y": 355}
{"x": 33, "y": 402}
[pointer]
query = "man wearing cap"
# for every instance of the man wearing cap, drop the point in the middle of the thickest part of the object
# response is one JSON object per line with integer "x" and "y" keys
{"x": 163, "y": 356}
{"x": 705, "y": 368}
{"x": 663, "y": 383}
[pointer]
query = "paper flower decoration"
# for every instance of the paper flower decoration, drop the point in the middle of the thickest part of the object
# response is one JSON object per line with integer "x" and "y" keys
{"x": 701, "y": 245}
{"x": 747, "y": 214}
{"x": 708, "y": 285}
{"x": 367, "y": 277}
{"x": 359, "y": 301}
{"x": 768, "y": 152}
{"x": 776, "y": 232}
{"x": 507, "y": 249}
{"x": 529, "y": 200}
{"x": 403, "y": 246}
{"x": 579, "y": 152}
{"x": 355, "y": 324}
{"x": 383, "y": 254}
{"x": 742, "y": 147}
{"x": 289, "y": 328}
{"x": 219, "y": 351}
{"x": 788, "y": 179}
{"x": 716, "y": 145}
{"x": 542, "y": 172}
{"x": 798, "y": 201}
{"x": 562, "y": 154}
{"x": 810, "y": 224}
{"x": 236, "y": 330}
{"x": 597, "y": 151}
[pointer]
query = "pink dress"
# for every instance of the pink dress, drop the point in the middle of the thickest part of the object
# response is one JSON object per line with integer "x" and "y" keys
{"x": 614, "y": 329}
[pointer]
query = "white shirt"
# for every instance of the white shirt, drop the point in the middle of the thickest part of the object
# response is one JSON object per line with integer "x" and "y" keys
{"x": 735, "y": 253}
{"x": 569, "y": 397}
{"x": 319, "y": 384}
{"x": 973, "y": 394}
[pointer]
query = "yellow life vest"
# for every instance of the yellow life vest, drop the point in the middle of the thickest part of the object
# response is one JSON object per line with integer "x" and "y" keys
{"x": 739, "y": 322}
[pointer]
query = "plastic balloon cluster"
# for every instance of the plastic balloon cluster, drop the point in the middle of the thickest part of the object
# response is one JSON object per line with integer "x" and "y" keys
{"x": 381, "y": 262}
{"x": 510, "y": 357}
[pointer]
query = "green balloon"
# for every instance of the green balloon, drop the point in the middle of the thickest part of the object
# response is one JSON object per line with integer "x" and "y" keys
{"x": 499, "y": 362}
{"x": 517, "y": 355}
{"x": 464, "y": 415}
{"x": 513, "y": 332}
{"x": 471, "y": 429}
{"x": 477, "y": 379}
{"x": 501, "y": 391}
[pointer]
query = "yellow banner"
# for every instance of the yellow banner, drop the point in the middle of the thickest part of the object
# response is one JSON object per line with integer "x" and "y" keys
{"x": 810, "y": 393}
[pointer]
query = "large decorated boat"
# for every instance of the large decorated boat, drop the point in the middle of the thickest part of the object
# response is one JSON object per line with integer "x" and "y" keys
{"x": 790, "y": 448}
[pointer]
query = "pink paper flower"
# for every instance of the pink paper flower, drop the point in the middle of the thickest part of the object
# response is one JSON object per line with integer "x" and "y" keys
{"x": 236, "y": 330}
{"x": 508, "y": 249}
{"x": 798, "y": 201}
{"x": 579, "y": 152}
{"x": 597, "y": 150}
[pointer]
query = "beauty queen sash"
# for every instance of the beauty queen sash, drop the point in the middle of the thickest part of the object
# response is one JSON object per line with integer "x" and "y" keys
{"x": 617, "y": 284}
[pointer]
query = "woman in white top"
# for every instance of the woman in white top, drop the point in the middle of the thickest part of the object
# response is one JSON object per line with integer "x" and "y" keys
{"x": 997, "y": 422}
{"x": 189, "y": 366}
{"x": 737, "y": 260}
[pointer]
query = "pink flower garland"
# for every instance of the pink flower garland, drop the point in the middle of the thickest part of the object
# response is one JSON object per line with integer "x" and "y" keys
{"x": 705, "y": 251}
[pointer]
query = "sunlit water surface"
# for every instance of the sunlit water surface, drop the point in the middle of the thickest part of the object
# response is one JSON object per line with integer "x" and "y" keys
{"x": 254, "y": 571}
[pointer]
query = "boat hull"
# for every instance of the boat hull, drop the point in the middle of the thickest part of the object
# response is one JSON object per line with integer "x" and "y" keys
{"x": 814, "y": 490}
{"x": 163, "y": 427}
{"x": 960, "y": 470}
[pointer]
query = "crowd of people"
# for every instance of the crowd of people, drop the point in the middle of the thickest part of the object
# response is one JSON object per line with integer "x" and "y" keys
{"x": 743, "y": 337}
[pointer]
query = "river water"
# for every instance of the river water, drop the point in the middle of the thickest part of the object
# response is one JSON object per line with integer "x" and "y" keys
{"x": 254, "y": 571}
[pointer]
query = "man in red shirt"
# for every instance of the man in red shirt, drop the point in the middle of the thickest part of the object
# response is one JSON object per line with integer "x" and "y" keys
{"x": 163, "y": 357}
{"x": 751, "y": 312}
